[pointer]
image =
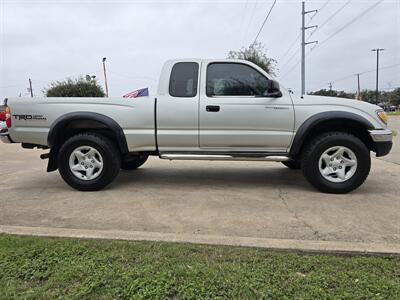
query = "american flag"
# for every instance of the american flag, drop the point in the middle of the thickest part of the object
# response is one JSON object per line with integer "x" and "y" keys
{"x": 137, "y": 93}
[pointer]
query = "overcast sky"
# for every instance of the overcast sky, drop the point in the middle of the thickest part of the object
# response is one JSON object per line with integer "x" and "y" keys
{"x": 51, "y": 40}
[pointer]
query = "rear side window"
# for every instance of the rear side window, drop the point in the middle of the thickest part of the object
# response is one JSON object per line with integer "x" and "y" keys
{"x": 183, "y": 80}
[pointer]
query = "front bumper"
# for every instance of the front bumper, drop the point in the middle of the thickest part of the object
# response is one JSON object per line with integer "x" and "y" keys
{"x": 382, "y": 141}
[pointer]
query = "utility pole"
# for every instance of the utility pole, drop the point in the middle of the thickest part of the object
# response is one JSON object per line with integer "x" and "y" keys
{"x": 303, "y": 46}
{"x": 330, "y": 86}
{"x": 105, "y": 75}
{"x": 377, "y": 50}
{"x": 358, "y": 87}
{"x": 30, "y": 87}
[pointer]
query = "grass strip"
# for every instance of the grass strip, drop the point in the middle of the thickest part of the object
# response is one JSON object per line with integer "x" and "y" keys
{"x": 49, "y": 268}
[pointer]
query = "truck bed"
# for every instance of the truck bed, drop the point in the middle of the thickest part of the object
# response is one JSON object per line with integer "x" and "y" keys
{"x": 33, "y": 117}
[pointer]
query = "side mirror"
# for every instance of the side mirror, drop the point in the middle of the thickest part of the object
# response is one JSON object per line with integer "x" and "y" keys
{"x": 273, "y": 90}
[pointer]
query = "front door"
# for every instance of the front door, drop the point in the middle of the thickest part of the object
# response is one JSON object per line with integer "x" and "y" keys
{"x": 235, "y": 115}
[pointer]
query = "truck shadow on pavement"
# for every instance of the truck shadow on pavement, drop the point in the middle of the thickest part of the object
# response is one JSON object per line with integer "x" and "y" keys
{"x": 213, "y": 178}
{"x": 196, "y": 178}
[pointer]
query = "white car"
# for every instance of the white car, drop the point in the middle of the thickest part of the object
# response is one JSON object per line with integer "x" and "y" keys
{"x": 208, "y": 110}
{"x": 3, "y": 126}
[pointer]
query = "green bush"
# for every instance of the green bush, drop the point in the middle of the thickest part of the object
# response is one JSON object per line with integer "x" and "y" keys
{"x": 75, "y": 88}
{"x": 256, "y": 54}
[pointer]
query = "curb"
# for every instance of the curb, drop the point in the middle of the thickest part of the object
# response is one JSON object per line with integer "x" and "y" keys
{"x": 335, "y": 247}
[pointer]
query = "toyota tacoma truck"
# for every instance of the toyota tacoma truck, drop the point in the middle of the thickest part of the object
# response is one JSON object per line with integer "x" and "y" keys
{"x": 204, "y": 110}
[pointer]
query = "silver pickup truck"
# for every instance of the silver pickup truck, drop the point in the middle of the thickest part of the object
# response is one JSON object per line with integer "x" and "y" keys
{"x": 204, "y": 110}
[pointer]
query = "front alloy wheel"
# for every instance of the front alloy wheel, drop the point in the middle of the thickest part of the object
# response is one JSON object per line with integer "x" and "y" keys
{"x": 338, "y": 164}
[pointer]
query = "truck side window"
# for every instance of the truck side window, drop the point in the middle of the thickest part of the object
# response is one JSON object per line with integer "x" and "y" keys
{"x": 183, "y": 80}
{"x": 234, "y": 79}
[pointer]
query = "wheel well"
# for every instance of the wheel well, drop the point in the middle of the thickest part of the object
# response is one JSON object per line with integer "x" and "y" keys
{"x": 75, "y": 123}
{"x": 79, "y": 126}
{"x": 353, "y": 127}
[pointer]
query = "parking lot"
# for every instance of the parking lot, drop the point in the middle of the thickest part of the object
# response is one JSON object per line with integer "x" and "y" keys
{"x": 214, "y": 200}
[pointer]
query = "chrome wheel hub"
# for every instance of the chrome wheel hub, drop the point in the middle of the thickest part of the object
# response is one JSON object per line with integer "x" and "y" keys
{"x": 337, "y": 164}
{"x": 86, "y": 163}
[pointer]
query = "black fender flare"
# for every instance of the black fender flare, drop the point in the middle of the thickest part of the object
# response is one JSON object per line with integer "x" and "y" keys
{"x": 54, "y": 135}
{"x": 64, "y": 120}
{"x": 315, "y": 120}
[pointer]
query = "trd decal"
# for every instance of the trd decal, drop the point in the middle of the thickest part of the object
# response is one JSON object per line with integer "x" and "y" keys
{"x": 29, "y": 117}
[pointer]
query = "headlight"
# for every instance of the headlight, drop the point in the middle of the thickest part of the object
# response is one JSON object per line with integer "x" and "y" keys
{"x": 382, "y": 116}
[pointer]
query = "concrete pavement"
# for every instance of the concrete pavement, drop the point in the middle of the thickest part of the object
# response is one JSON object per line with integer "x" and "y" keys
{"x": 394, "y": 155}
{"x": 230, "y": 202}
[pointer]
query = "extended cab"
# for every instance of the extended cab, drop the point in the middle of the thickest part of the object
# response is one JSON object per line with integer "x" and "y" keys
{"x": 204, "y": 110}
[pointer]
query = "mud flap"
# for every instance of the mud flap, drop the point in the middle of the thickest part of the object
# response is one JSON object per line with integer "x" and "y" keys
{"x": 52, "y": 164}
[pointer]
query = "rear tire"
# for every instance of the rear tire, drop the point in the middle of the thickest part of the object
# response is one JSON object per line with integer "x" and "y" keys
{"x": 293, "y": 164}
{"x": 336, "y": 162}
{"x": 133, "y": 162}
{"x": 88, "y": 161}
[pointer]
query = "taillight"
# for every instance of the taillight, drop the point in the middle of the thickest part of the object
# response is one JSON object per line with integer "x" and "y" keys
{"x": 8, "y": 117}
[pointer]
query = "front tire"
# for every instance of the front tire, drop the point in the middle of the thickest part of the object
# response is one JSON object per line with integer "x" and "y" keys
{"x": 88, "y": 161}
{"x": 336, "y": 162}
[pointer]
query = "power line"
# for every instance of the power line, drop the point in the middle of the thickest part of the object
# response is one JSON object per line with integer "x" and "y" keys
{"x": 290, "y": 58}
{"x": 265, "y": 20}
{"x": 291, "y": 46}
{"x": 50, "y": 80}
{"x": 364, "y": 72}
{"x": 299, "y": 35}
{"x": 338, "y": 31}
{"x": 67, "y": 76}
{"x": 321, "y": 8}
{"x": 251, "y": 18}
{"x": 244, "y": 18}
{"x": 349, "y": 23}
{"x": 10, "y": 86}
{"x": 319, "y": 27}
{"x": 331, "y": 17}
{"x": 131, "y": 77}
{"x": 298, "y": 62}
{"x": 290, "y": 70}
{"x": 391, "y": 88}
{"x": 385, "y": 67}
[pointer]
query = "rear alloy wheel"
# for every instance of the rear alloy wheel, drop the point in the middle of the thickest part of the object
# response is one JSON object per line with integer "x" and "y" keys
{"x": 336, "y": 162}
{"x": 88, "y": 161}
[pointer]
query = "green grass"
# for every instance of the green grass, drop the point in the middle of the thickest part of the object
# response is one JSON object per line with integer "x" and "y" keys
{"x": 393, "y": 113}
{"x": 46, "y": 268}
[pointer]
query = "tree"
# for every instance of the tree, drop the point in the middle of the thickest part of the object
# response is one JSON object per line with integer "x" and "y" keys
{"x": 255, "y": 53}
{"x": 333, "y": 93}
{"x": 75, "y": 88}
{"x": 388, "y": 98}
{"x": 393, "y": 97}
{"x": 370, "y": 96}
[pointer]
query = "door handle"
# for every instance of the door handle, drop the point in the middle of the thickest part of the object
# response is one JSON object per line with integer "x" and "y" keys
{"x": 212, "y": 108}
